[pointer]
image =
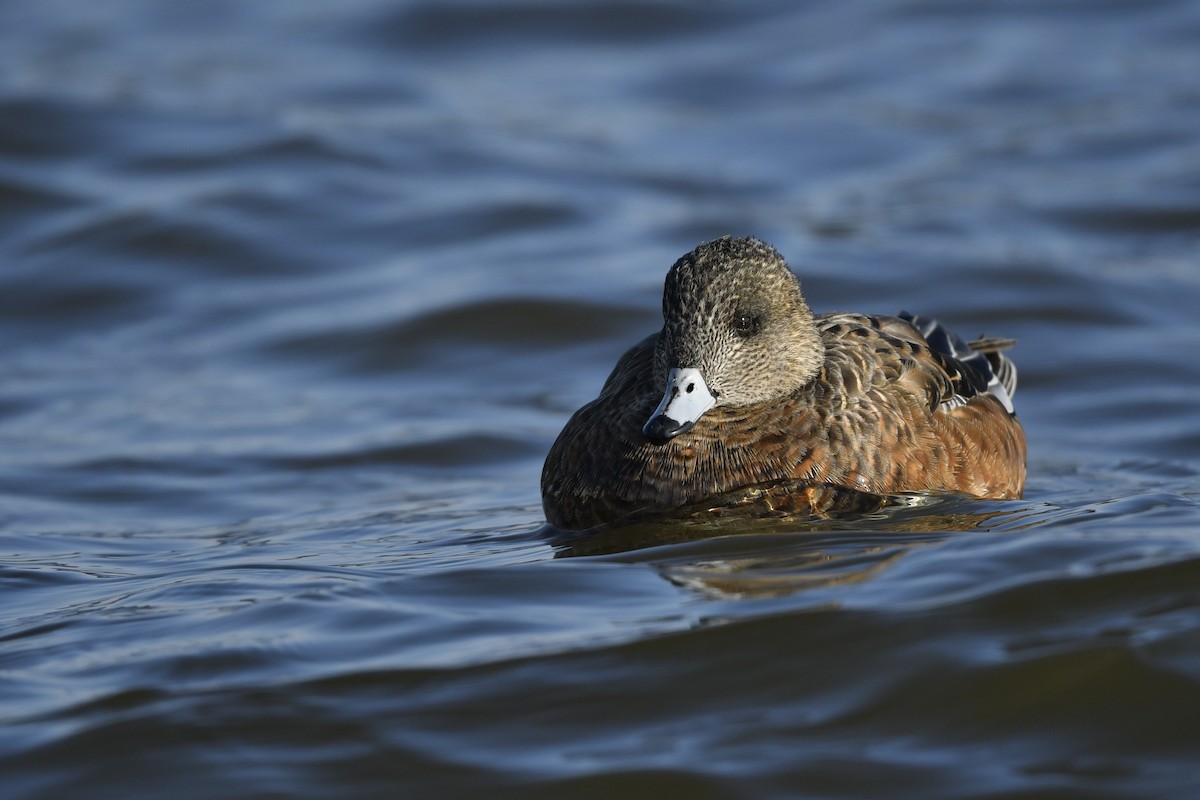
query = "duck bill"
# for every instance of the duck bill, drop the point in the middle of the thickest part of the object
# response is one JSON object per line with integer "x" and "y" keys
{"x": 687, "y": 398}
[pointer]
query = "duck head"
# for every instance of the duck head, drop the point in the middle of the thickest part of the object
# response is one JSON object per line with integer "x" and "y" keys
{"x": 736, "y": 332}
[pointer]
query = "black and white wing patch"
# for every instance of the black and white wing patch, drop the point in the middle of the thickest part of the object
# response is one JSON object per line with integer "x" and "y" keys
{"x": 977, "y": 367}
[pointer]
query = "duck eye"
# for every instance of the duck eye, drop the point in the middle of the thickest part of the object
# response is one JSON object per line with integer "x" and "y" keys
{"x": 746, "y": 325}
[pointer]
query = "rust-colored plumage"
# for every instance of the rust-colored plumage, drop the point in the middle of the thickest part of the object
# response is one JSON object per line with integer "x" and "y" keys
{"x": 845, "y": 400}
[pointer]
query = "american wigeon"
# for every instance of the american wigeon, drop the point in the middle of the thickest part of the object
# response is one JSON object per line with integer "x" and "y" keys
{"x": 745, "y": 387}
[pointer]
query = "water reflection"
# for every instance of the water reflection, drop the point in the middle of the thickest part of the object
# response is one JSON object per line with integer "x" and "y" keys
{"x": 738, "y": 551}
{"x": 803, "y": 564}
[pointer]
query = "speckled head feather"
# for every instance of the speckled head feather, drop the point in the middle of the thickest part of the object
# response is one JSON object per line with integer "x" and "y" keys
{"x": 744, "y": 388}
{"x": 733, "y": 310}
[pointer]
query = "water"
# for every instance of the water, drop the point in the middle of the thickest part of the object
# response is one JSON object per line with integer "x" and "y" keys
{"x": 294, "y": 298}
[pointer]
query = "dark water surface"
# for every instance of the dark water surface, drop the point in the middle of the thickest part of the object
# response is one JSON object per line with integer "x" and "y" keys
{"x": 295, "y": 296}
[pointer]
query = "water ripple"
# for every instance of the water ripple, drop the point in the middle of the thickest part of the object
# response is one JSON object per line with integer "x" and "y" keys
{"x": 296, "y": 296}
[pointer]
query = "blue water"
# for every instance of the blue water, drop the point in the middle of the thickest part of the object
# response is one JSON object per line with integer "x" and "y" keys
{"x": 295, "y": 297}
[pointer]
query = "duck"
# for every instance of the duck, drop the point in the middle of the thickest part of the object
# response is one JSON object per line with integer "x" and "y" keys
{"x": 744, "y": 386}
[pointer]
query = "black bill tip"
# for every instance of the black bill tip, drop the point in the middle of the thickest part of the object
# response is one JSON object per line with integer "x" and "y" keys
{"x": 661, "y": 429}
